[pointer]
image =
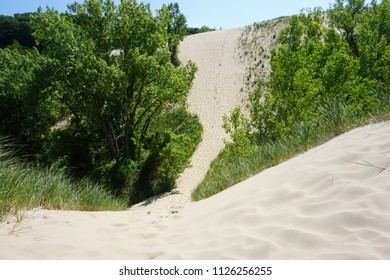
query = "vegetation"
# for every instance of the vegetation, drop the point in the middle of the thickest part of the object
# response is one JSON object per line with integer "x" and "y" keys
{"x": 16, "y": 29}
{"x": 255, "y": 45}
{"x": 102, "y": 98}
{"x": 196, "y": 30}
{"x": 27, "y": 111}
{"x": 177, "y": 29}
{"x": 329, "y": 74}
{"x": 177, "y": 26}
{"x": 24, "y": 186}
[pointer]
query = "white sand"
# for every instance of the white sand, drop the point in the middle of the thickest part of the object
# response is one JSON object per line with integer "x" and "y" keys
{"x": 328, "y": 203}
{"x": 216, "y": 91}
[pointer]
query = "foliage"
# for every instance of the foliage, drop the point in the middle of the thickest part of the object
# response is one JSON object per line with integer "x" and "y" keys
{"x": 345, "y": 17}
{"x": 26, "y": 110}
{"x": 329, "y": 73}
{"x": 175, "y": 142}
{"x": 110, "y": 67}
{"x": 315, "y": 65}
{"x": 24, "y": 186}
{"x": 238, "y": 127}
{"x": 16, "y": 29}
{"x": 196, "y": 30}
{"x": 176, "y": 28}
{"x": 100, "y": 99}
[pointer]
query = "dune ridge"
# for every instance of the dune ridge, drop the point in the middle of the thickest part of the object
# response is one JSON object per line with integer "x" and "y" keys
{"x": 332, "y": 202}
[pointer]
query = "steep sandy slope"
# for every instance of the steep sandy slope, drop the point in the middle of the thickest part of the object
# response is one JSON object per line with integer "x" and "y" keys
{"x": 333, "y": 202}
{"x": 216, "y": 91}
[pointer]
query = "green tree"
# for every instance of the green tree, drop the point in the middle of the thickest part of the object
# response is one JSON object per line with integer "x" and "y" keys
{"x": 374, "y": 43}
{"x": 344, "y": 65}
{"x": 345, "y": 17}
{"x": 26, "y": 112}
{"x": 295, "y": 87}
{"x": 196, "y": 30}
{"x": 176, "y": 27}
{"x": 114, "y": 73}
{"x": 17, "y": 28}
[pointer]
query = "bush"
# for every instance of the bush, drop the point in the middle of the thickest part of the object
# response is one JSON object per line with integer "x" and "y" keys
{"x": 170, "y": 155}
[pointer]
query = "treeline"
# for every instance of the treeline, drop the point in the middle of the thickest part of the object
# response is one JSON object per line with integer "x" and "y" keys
{"x": 18, "y": 28}
{"x": 318, "y": 68}
{"x": 196, "y": 30}
{"x": 330, "y": 72}
{"x": 102, "y": 97}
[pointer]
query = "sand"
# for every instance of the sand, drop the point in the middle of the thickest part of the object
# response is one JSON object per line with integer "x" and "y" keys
{"x": 216, "y": 91}
{"x": 332, "y": 202}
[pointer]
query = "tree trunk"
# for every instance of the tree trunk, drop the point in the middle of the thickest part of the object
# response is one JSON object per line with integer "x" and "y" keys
{"x": 111, "y": 140}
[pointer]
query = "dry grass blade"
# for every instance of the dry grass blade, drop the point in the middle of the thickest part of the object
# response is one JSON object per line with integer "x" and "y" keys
{"x": 367, "y": 163}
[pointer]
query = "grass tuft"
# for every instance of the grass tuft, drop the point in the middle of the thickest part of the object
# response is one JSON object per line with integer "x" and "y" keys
{"x": 24, "y": 186}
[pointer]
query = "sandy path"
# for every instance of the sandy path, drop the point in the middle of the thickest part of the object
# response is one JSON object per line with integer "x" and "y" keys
{"x": 215, "y": 92}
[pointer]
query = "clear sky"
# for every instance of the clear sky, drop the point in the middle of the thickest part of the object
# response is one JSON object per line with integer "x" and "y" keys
{"x": 212, "y": 13}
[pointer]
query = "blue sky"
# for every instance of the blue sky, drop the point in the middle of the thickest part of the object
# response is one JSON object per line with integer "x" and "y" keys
{"x": 212, "y": 13}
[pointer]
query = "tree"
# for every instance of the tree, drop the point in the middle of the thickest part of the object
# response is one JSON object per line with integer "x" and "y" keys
{"x": 294, "y": 86}
{"x": 317, "y": 67}
{"x": 113, "y": 71}
{"x": 345, "y": 16}
{"x": 16, "y": 28}
{"x": 311, "y": 67}
{"x": 196, "y": 30}
{"x": 176, "y": 28}
{"x": 374, "y": 42}
{"x": 26, "y": 113}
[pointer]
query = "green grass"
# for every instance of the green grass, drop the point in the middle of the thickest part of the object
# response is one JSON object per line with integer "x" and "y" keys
{"x": 232, "y": 167}
{"x": 24, "y": 186}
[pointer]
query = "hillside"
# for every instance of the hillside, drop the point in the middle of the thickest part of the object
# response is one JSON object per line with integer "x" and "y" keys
{"x": 331, "y": 202}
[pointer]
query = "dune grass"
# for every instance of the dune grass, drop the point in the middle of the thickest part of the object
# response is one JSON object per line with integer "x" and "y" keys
{"x": 24, "y": 186}
{"x": 232, "y": 167}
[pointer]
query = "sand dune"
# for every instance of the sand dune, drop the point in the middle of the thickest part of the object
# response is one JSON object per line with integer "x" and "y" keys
{"x": 332, "y": 202}
{"x": 216, "y": 91}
